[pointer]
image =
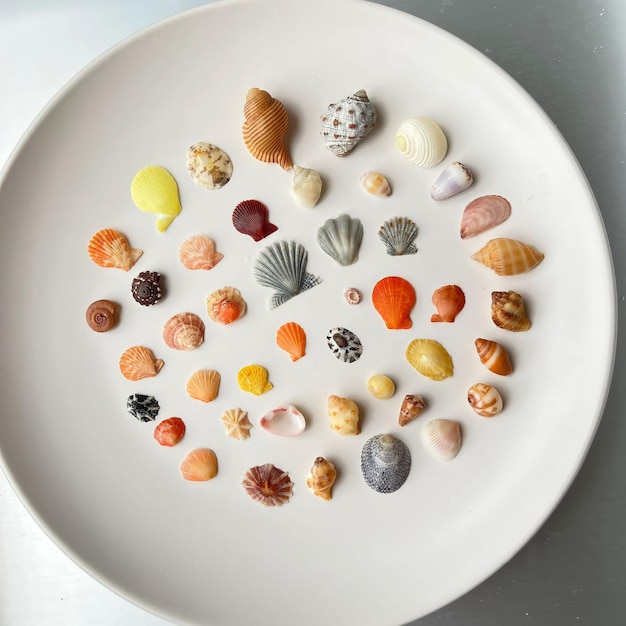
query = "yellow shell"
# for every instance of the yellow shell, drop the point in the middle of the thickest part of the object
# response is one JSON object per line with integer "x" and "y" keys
{"x": 139, "y": 362}
{"x": 344, "y": 415}
{"x": 253, "y": 379}
{"x": 203, "y": 385}
{"x": 154, "y": 190}
{"x": 321, "y": 478}
{"x": 508, "y": 311}
{"x": 381, "y": 386}
{"x": 430, "y": 359}
{"x": 507, "y": 257}
{"x": 110, "y": 248}
{"x": 236, "y": 423}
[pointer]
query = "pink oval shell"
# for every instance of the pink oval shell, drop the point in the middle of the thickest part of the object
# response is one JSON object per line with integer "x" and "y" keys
{"x": 484, "y": 213}
{"x": 251, "y": 217}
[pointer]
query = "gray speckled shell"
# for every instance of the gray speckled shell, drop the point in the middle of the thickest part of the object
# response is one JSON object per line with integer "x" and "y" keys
{"x": 344, "y": 344}
{"x": 398, "y": 235}
{"x": 340, "y": 238}
{"x": 385, "y": 463}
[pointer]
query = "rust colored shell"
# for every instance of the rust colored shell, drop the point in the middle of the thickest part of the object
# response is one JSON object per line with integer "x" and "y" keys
{"x": 110, "y": 248}
{"x": 183, "y": 331}
{"x": 291, "y": 338}
{"x": 200, "y": 464}
{"x": 139, "y": 362}
{"x": 449, "y": 301}
{"x": 251, "y": 217}
{"x": 102, "y": 315}
{"x": 199, "y": 253}
{"x": 493, "y": 356}
{"x": 507, "y": 257}
{"x": 225, "y": 305}
{"x": 394, "y": 298}
{"x": 268, "y": 485}
{"x": 508, "y": 311}
{"x": 265, "y": 128}
{"x": 204, "y": 385}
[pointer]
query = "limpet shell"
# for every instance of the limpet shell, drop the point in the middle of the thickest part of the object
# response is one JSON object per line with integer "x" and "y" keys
{"x": 340, "y": 238}
{"x": 225, "y": 305}
{"x": 254, "y": 379}
{"x": 430, "y": 359}
{"x": 110, "y": 248}
{"x": 237, "y": 424}
{"x": 139, "y": 362}
{"x": 343, "y": 414}
{"x": 375, "y": 184}
{"x": 146, "y": 288}
{"x": 412, "y": 407}
{"x": 381, "y": 386}
{"x": 449, "y": 301}
{"x": 493, "y": 356}
{"x": 508, "y": 311}
{"x": 101, "y": 315}
{"x": 393, "y": 298}
{"x": 199, "y": 465}
{"x": 203, "y": 385}
{"x": 285, "y": 421}
{"x": 154, "y": 190}
{"x": 321, "y": 478}
{"x": 344, "y": 344}
{"x": 399, "y": 234}
{"x": 484, "y": 213}
{"x": 184, "y": 331}
{"x": 208, "y": 165}
{"x": 422, "y": 141}
{"x": 455, "y": 178}
{"x": 485, "y": 399}
{"x": 291, "y": 338}
{"x": 507, "y": 257}
{"x": 199, "y": 253}
{"x": 306, "y": 186}
{"x": 144, "y": 408}
{"x": 268, "y": 485}
{"x": 441, "y": 438}
{"x": 385, "y": 463}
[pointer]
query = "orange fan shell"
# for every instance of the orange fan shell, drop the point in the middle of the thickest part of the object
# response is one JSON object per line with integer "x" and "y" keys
{"x": 110, "y": 248}
{"x": 394, "y": 298}
{"x": 200, "y": 464}
{"x": 138, "y": 362}
{"x": 204, "y": 385}
{"x": 291, "y": 338}
{"x": 449, "y": 301}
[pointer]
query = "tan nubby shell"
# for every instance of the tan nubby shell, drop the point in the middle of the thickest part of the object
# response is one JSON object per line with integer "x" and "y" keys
{"x": 139, "y": 362}
{"x": 204, "y": 385}
{"x": 321, "y": 478}
{"x": 265, "y": 128}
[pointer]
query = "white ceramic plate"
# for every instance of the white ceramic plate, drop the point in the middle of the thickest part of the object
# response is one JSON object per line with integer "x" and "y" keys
{"x": 206, "y": 553}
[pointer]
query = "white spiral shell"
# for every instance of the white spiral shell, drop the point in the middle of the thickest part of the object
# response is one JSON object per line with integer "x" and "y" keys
{"x": 422, "y": 141}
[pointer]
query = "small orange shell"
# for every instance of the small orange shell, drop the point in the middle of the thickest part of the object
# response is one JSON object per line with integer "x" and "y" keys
{"x": 508, "y": 311}
{"x": 199, "y": 253}
{"x": 449, "y": 302}
{"x": 183, "y": 331}
{"x": 225, "y": 305}
{"x": 110, "y": 248}
{"x": 203, "y": 385}
{"x": 493, "y": 356}
{"x": 291, "y": 338}
{"x": 139, "y": 362}
{"x": 394, "y": 297}
{"x": 200, "y": 464}
{"x": 507, "y": 257}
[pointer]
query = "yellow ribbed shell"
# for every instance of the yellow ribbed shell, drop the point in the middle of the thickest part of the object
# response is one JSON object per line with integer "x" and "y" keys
{"x": 154, "y": 190}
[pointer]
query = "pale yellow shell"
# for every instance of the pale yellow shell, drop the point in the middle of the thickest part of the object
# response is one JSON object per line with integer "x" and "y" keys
{"x": 375, "y": 184}
{"x": 344, "y": 415}
{"x": 381, "y": 386}
{"x": 237, "y": 424}
{"x": 204, "y": 385}
{"x": 430, "y": 359}
{"x": 154, "y": 190}
{"x": 139, "y": 362}
{"x": 321, "y": 478}
{"x": 507, "y": 257}
{"x": 254, "y": 379}
{"x": 110, "y": 248}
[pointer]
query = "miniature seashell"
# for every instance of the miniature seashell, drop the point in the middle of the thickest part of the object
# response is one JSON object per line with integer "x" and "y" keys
{"x": 102, "y": 315}
{"x": 291, "y": 338}
{"x": 422, "y": 141}
{"x": 493, "y": 356}
{"x": 110, "y": 248}
{"x": 254, "y": 379}
{"x": 385, "y": 463}
{"x": 394, "y": 297}
{"x": 184, "y": 331}
{"x": 237, "y": 424}
{"x": 285, "y": 421}
{"x": 282, "y": 266}
{"x": 265, "y": 128}
{"x": 482, "y": 214}
{"x": 455, "y": 178}
{"x": 199, "y": 465}
{"x": 398, "y": 235}
{"x": 441, "y": 438}
{"x": 508, "y": 311}
{"x": 375, "y": 184}
{"x": 412, "y": 406}
{"x": 144, "y": 408}
{"x": 344, "y": 415}
{"x": 154, "y": 190}
{"x": 344, "y": 344}
{"x": 209, "y": 166}
{"x": 203, "y": 385}
{"x": 306, "y": 186}
{"x": 484, "y": 399}
{"x": 268, "y": 485}
{"x": 146, "y": 288}
{"x": 139, "y": 362}
{"x": 251, "y": 217}
{"x": 381, "y": 386}
{"x": 449, "y": 301}
{"x": 430, "y": 359}
{"x": 346, "y": 123}
{"x": 225, "y": 305}
{"x": 199, "y": 253}
{"x": 507, "y": 257}
{"x": 321, "y": 478}
{"x": 340, "y": 238}
{"x": 170, "y": 431}
{"x": 352, "y": 295}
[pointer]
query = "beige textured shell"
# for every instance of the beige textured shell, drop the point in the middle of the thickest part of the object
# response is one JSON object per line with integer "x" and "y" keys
{"x": 237, "y": 424}
{"x": 204, "y": 385}
{"x": 199, "y": 465}
{"x": 507, "y": 257}
{"x": 184, "y": 331}
{"x": 139, "y": 362}
{"x": 110, "y": 248}
{"x": 508, "y": 311}
{"x": 254, "y": 379}
{"x": 291, "y": 338}
{"x": 225, "y": 305}
{"x": 344, "y": 415}
{"x": 199, "y": 253}
{"x": 430, "y": 359}
{"x": 265, "y": 128}
{"x": 493, "y": 356}
{"x": 321, "y": 478}
{"x": 208, "y": 165}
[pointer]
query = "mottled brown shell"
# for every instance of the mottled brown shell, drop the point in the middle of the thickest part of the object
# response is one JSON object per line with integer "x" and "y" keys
{"x": 508, "y": 311}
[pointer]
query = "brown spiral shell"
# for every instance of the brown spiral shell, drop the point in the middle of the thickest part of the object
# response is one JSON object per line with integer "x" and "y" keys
{"x": 102, "y": 315}
{"x": 146, "y": 289}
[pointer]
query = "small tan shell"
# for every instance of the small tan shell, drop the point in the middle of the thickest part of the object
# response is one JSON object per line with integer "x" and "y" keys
{"x": 237, "y": 424}
{"x": 204, "y": 385}
{"x": 381, "y": 386}
{"x": 412, "y": 407}
{"x": 225, "y": 305}
{"x": 375, "y": 184}
{"x": 199, "y": 465}
{"x": 291, "y": 338}
{"x": 344, "y": 415}
{"x": 484, "y": 399}
{"x": 139, "y": 362}
{"x": 102, "y": 315}
{"x": 507, "y": 257}
{"x": 199, "y": 253}
{"x": 493, "y": 356}
{"x": 508, "y": 311}
{"x": 321, "y": 478}
{"x": 184, "y": 331}
{"x": 209, "y": 166}
{"x": 110, "y": 248}
{"x": 449, "y": 301}
{"x": 430, "y": 359}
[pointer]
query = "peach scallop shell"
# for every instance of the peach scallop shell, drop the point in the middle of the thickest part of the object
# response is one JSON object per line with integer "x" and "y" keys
{"x": 394, "y": 297}
{"x": 225, "y": 305}
{"x": 430, "y": 359}
{"x": 154, "y": 190}
{"x": 199, "y": 253}
{"x": 268, "y": 485}
{"x": 508, "y": 311}
{"x": 507, "y": 257}
{"x": 265, "y": 128}
{"x": 441, "y": 438}
{"x": 493, "y": 356}
{"x": 110, "y": 248}
{"x": 254, "y": 379}
{"x": 237, "y": 424}
{"x": 184, "y": 331}
{"x": 139, "y": 362}
{"x": 291, "y": 338}
{"x": 199, "y": 465}
{"x": 449, "y": 301}
{"x": 204, "y": 385}
{"x": 484, "y": 213}
{"x": 321, "y": 478}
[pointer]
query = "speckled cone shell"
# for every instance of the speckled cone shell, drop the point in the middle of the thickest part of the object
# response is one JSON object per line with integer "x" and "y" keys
{"x": 265, "y": 128}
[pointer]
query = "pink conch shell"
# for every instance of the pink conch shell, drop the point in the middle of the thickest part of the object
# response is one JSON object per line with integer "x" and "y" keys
{"x": 484, "y": 213}
{"x": 199, "y": 253}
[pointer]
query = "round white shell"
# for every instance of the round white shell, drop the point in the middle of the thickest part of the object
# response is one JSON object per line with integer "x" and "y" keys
{"x": 209, "y": 166}
{"x": 285, "y": 421}
{"x": 441, "y": 438}
{"x": 422, "y": 141}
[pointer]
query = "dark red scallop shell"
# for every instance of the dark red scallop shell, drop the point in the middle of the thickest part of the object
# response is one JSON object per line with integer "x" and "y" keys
{"x": 251, "y": 217}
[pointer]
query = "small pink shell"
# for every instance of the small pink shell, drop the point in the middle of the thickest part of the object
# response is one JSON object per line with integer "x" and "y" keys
{"x": 199, "y": 253}
{"x": 251, "y": 217}
{"x": 484, "y": 213}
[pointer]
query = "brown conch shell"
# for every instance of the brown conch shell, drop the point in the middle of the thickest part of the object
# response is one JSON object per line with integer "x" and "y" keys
{"x": 110, "y": 248}
{"x": 508, "y": 311}
{"x": 412, "y": 407}
{"x": 394, "y": 297}
{"x": 183, "y": 331}
{"x": 291, "y": 338}
{"x": 199, "y": 253}
{"x": 265, "y": 128}
{"x": 449, "y": 301}
{"x": 139, "y": 362}
{"x": 225, "y": 305}
{"x": 507, "y": 257}
{"x": 493, "y": 356}
{"x": 484, "y": 213}
{"x": 321, "y": 478}
{"x": 204, "y": 385}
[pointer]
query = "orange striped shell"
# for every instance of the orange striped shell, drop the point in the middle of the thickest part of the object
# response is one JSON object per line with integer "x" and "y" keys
{"x": 204, "y": 385}
{"x": 200, "y": 464}
{"x": 199, "y": 253}
{"x": 394, "y": 297}
{"x": 110, "y": 248}
{"x": 493, "y": 356}
{"x": 139, "y": 362}
{"x": 291, "y": 338}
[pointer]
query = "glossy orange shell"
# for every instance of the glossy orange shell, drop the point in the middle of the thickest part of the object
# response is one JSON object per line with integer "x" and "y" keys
{"x": 449, "y": 301}
{"x": 394, "y": 298}
{"x": 291, "y": 338}
{"x": 493, "y": 356}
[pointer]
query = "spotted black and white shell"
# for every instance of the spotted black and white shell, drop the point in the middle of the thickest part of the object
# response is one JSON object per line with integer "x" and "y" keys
{"x": 340, "y": 238}
{"x": 344, "y": 344}
{"x": 385, "y": 463}
{"x": 399, "y": 234}
{"x": 144, "y": 408}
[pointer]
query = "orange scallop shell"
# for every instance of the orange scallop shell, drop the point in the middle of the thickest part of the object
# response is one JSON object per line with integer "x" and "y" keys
{"x": 110, "y": 248}
{"x": 394, "y": 297}
{"x": 291, "y": 338}
{"x": 449, "y": 301}
{"x": 199, "y": 253}
{"x": 199, "y": 464}
{"x": 493, "y": 356}
{"x": 183, "y": 331}
{"x": 204, "y": 385}
{"x": 139, "y": 362}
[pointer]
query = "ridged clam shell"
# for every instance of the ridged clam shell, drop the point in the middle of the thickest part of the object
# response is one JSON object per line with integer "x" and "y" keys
{"x": 493, "y": 356}
{"x": 430, "y": 359}
{"x": 199, "y": 253}
{"x": 344, "y": 344}
{"x": 251, "y": 217}
{"x": 139, "y": 362}
{"x": 484, "y": 399}
{"x": 199, "y": 465}
{"x": 441, "y": 438}
{"x": 484, "y": 213}
{"x": 225, "y": 305}
{"x": 306, "y": 186}
{"x": 449, "y": 301}
{"x": 394, "y": 298}
{"x": 399, "y": 234}
{"x": 321, "y": 478}
{"x": 507, "y": 257}
{"x": 282, "y": 267}
{"x": 268, "y": 485}
{"x": 422, "y": 141}
{"x": 101, "y": 315}
{"x": 375, "y": 184}
{"x": 237, "y": 424}
{"x": 412, "y": 407}
{"x": 285, "y": 421}
{"x": 385, "y": 463}
{"x": 208, "y": 165}
{"x": 110, "y": 248}
{"x": 265, "y": 128}
{"x": 183, "y": 331}
{"x": 346, "y": 123}
{"x": 254, "y": 379}
{"x": 508, "y": 311}
{"x": 340, "y": 238}
{"x": 343, "y": 415}
{"x": 203, "y": 385}
{"x": 154, "y": 190}
{"x": 291, "y": 338}
{"x": 455, "y": 178}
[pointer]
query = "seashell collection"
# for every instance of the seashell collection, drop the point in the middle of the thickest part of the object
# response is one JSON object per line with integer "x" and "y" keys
{"x": 282, "y": 266}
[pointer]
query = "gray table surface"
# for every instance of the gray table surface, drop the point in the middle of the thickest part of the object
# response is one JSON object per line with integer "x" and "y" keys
{"x": 571, "y": 56}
